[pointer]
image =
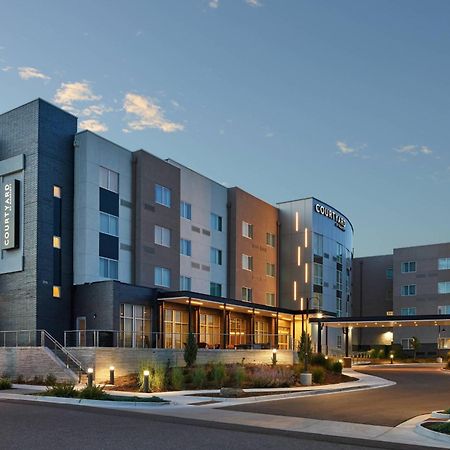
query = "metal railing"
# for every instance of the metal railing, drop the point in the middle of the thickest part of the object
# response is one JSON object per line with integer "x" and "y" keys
{"x": 176, "y": 340}
{"x": 41, "y": 338}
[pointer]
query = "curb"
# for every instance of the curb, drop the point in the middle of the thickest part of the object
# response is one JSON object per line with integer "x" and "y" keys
{"x": 435, "y": 435}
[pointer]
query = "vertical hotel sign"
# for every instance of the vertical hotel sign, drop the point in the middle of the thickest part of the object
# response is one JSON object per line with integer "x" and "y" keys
{"x": 10, "y": 214}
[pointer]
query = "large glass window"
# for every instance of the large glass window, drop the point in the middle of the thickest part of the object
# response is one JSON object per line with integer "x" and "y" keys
{"x": 318, "y": 244}
{"x": 445, "y": 309}
{"x": 318, "y": 274}
{"x": 109, "y": 224}
{"x": 247, "y": 262}
{"x": 247, "y": 294}
{"x": 216, "y": 222}
{"x": 210, "y": 330}
{"x": 410, "y": 311}
{"x": 163, "y": 195}
{"x": 134, "y": 326}
{"x": 262, "y": 331}
{"x": 185, "y": 283}
{"x": 238, "y": 331}
{"x": 176, "y": 328}
{"x": 247, "y": 230}
{"x": 109, "y": 268}
{"x": 108, "y": 179}
{"x": 215, "y": 289}
{"x": 162, "y": 277}
{"x": 186, "y": 210}
{"x": 409, "y": 266}
{"x": 444, "y": 287}
{"x": 338, "y": 280}
{"x": 317, "y": 300}
{"x": 162, "y": 236}
{"x": 408, "y": 290}
{"x": 185, "y": 247}
{"x": 339, "y": 252}
{"x": 444, "y": 264}
{"x": 216, "y": 256}
{"x": 338, "y": 307}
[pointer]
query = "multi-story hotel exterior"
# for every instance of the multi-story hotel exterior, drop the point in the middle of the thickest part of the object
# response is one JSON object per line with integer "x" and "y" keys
{"x": 126, "y": 249}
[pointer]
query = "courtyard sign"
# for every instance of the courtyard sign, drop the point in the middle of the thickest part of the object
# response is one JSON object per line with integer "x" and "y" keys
{"x": 10, "y": 196}
{"x": 339, "y": 221}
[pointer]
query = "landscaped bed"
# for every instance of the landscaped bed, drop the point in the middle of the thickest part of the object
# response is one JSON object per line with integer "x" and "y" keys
{"x": 439, "y": 427}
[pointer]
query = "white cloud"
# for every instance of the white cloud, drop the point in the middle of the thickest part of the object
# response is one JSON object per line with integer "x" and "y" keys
{"x": 93, "y": 125}
{"x": 345, "y": 149}
{"x": 95, "y": 110}
{"x": 7, "y": 68}
{"x": 253, "y": 3}
{"x": 69, "y": 93}
{"x": 148, "y": 114}
{"x": 213, "y": 4}
{"x": 31, "y": 72}
{"x": 414, "y": 150}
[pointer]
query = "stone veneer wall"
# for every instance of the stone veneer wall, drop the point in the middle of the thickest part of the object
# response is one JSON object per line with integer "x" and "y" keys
{"x": 128, "y": 360}
{"x": 30, "y": 362}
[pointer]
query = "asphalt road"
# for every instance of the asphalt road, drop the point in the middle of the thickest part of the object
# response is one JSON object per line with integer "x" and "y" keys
{"x": 34, "y": 426}
{"x": 418, "y": 391}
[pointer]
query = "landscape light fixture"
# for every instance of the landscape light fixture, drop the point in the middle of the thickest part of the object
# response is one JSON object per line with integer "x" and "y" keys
{"x": 111, "y": 374}
{"x": 274, "y": 356}
{"x": 90, "y": 375}
{"x": 392, "y": 358}
{"x": 146, "y": 381}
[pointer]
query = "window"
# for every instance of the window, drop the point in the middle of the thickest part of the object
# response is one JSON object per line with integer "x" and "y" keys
{"x": 210, "y": 330}
{"x": 270, "y": 239}
{"x": 247, "y": 294}
{"x": 444, "y": 287}
{"x": 408, "y": 290}
{"x": 247, "y": 230}
{"x": 109, "y": 224}
{"x": 407, "y": 343}
{"x": 270, "y": 269}
{"x": 318, "y": 274}
{"x": 134, "y": 325}
{"x": 317, "y": 300}
{"x": 109, "y": 180}
{"x": 185, "y": 283}
{"x": 186, "y": 210}
{"x": 409, "y": 266}
{"x": 262, "y": 331}
{"x": 185, "y": 247}
{"x": 247, "y": 262}
{"x": 445, "y": 309}
{"x": 162, "y": 277}
{"x": 389, "y": 273}
{"x": 216, "y": 222}
{"x": 216, "y": 256}
{"x": 238, "y": 331}
{"x": 338, "y": 280}
{"x": 339, "y": 341}
{"x": 56, "y": 191}
{"x": 444, "y": 264}
{"x": 109, "y": 268}
{"x": 176, "y": 328}
{"x": 339, "y": 252}
{"x": 57, "y": 291}
{"x": 318, "y": 244}
{"x": 338, "y": 307}
{"x": 215, "y": 289}
{"x": 162, "y": 195}
{"x": 411, "y": 311}
{"x": 270, "y": 299}
{"x": 162, "y": 236}
{"x": 56, "y": 242}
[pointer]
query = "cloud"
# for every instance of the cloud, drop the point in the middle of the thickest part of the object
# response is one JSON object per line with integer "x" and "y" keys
{"x": 148, "y": 115}
{"x": 95, "y": 110}
{"x": 93, "y": 125}
{"x": 345, "y": 149}
{"x": 7, "y": 68}
{"x": 253, "y": 3}
{"x": 414, "y": 150}
{"x": 27, "y": 73}
{"x": 213, "y": 4}
{"x": 69, "y": 93}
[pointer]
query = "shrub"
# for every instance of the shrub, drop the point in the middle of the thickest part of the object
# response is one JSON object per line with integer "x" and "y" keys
{"x": 50, "y": 380}
{"x": 267, "y": 376}
{"x": 304, "y": 350}
{"x": 62, "y": 390}
{"x": 5, "y": 383}
{"x": 440, "y": 427}
{"x": 199, "y": 377}
{"x": 93, "y": 393}
{"x": 447, "y": 411}
{"x": 190, "y": 351}
{"x": 336, "y": 367}
{"x": 20, "y": 379}
{"x": 219, "y": 375}
{"x": 177, "y": 379}
{"x": 157, "y": 377}
{"x": 238, "y": 375}
{"x": 318, "y": 374}
{"x": 39, "y": 380}
{"x": 318, "y": 359}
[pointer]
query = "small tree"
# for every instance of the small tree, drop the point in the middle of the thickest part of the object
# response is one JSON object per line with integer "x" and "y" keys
{"x": 190, "y": 350}
{"x": 304, "y": 349}
{"x": 415, "y": 343}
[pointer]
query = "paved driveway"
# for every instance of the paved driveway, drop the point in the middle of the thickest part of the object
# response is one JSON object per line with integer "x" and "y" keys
{"x": 418, "y": 391}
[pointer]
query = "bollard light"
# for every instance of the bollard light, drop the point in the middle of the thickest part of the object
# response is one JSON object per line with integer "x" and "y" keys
{"x": 90, "y": 375}
{"x": 274, "y": 356}
{"x": 146, "y": 381}
{"x": 392, "y": 358}
{"x": 111, "y": 374}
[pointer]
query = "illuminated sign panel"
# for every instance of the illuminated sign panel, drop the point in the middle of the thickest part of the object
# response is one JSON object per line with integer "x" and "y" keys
{"x": 10, "y": 214}
{"x": 339, "y": 221}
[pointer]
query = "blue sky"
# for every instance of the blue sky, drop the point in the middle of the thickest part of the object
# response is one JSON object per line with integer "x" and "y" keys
{"x": 344, "y": 100}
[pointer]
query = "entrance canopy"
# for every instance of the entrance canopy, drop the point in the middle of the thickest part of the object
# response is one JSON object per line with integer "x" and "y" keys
{"x": 384, "y": 321}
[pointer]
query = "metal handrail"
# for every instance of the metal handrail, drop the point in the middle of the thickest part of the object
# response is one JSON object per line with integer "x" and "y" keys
{"x": 63, "y": 349}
